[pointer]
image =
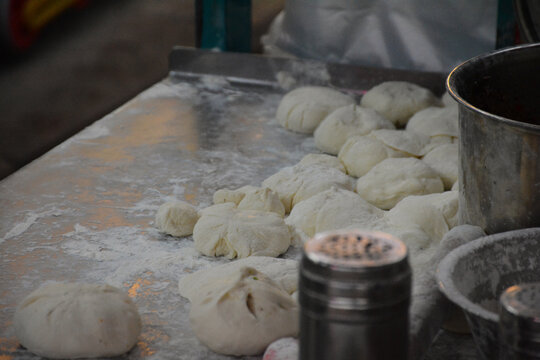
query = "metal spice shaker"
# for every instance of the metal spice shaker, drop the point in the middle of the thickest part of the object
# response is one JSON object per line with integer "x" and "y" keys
{"x": 519, "y": 322}
{"x": 354, "y": 295}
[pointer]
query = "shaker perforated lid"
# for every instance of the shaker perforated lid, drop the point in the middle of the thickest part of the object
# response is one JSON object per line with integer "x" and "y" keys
{"x": 355, "y": 248}
{"x": 353, "y": 270}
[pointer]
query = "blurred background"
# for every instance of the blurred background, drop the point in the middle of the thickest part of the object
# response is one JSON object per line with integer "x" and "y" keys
{"x": 76, "y": 61}
{"x": 66, "y": 63}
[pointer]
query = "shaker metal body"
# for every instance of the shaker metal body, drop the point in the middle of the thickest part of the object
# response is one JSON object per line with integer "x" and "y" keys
{"x": 354, "y": 295}
{"x": 519, "y": 322}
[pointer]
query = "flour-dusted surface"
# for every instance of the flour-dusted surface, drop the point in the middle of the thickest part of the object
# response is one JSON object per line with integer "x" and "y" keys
{"x": 85, "y": 210}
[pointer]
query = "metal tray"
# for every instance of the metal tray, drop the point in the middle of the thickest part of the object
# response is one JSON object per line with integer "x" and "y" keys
{"x": 84, "y": 211}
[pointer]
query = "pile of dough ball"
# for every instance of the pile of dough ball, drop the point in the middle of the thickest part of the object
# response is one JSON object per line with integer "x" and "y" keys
{"x": 388, "y": 164}
{"x": 398, "y": 147}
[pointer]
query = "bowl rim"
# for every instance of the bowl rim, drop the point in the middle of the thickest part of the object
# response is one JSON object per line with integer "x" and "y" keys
{"x": 446, "y": 266}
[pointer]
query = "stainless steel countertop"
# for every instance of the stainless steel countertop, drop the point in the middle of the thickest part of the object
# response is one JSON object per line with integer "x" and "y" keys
{"x": 84, "y": 211}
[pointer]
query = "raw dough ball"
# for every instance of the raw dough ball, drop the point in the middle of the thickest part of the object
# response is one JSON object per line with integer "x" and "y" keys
{"x": 405, "y": 143}
{"x": 331, "y": 210}
{"x": 282, "y": 349}
{"x": 396, "y": 178}
{"x": 435, "y": 214}
{"x": 435, "y": 121}
{"x": 77, "y": 321}
{"x": 304, "y": 108}
{"x": 444, "y": 160}
{"x": 235, "y": 196}
{"x": 360, "y": 153}
{"x": 176, "y": 218}
{"x": 448, "y": 100}
{"x": 345, "y": 122}
{"x": 283, "y": 272}
{"x": 322, "y": 160}
{"x": 299, "y": 182}
{"x": 224, "y": 230}
{"x": 251, "y": 198}
{"x": 243, "y": 314}
{"x": 262, "y": 199}
{"x": 398, "y": 100}
{"x": 412, "y": 235}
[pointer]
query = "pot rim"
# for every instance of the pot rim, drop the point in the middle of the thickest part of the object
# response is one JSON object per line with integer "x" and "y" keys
{"x": 450, "y": 86}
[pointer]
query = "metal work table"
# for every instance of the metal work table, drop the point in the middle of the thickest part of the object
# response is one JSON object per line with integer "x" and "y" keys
{"x": 84, "y": 211}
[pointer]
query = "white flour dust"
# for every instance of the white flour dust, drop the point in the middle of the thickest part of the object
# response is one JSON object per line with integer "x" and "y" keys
{"x": 30, "y": 219}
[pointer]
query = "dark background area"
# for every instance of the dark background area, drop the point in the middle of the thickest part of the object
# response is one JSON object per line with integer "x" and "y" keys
{"x": 90, "y": 61}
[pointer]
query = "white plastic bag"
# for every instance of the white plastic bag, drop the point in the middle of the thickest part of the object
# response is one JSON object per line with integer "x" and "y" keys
{"x": 429, "y": 35}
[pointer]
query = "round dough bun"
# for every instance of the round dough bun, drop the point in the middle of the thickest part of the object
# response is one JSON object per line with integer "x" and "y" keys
{"x": 303, "y": 109}
{"x": 322, "y": 160}
{"x": 435, "y": 214}
{"x": 361, "y": 153}
{"x": 64, "y": 321}
{"x": 176, "y": 218}
{"x": 345, "y": 122}
{"x": 444, "y": 160}
{"x": 243, "y": 313}
{"x": 225, "y": 230}
{"x": 393, "y": 179}
{"x": 435, "y": 121}
{"x": 398, "y": 100}
{"x": 251, "y": 198}
{"x": 300, "y": 182}
{"x": 333, "y": 209}
{"x": 406, "y": 143}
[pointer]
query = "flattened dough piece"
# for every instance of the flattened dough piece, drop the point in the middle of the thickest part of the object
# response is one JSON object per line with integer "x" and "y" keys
{"x": 76, "y": 320}
{"x": 176, "y": 218}
{"x": 303, "y": 109}
{"x": 345, "y": 122}
{"x": 225, "y": 230}
{"x": 333, "y": 209}
{"x": 322, "y": 160}
{"x": 283, "y": 272}
{"x": 296, "y": 183}
{"x": 398, "y": 100}
{"x": 444, "y": 160}
{"x": 396, "y": 178}
{"x": 243, "y": 314}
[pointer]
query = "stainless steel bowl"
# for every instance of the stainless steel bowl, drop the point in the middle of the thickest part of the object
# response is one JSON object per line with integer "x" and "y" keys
{"x": 474, "y": 275}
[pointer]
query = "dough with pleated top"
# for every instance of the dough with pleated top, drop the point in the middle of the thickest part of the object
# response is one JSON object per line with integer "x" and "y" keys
{"x": 303, "y": 109}
{"x": 396, "y": 178}
{"x": 331, "y": 210}
{"x": 251, "y": 198}
{"x": 239, "y": 310}
{"x": 75, "y": 320}
{"x": 296, "y": 183}
{"x": 225, "y": 230}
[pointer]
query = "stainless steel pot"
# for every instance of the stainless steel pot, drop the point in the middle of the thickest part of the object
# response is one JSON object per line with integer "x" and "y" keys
{"x": 499, "y": 117}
